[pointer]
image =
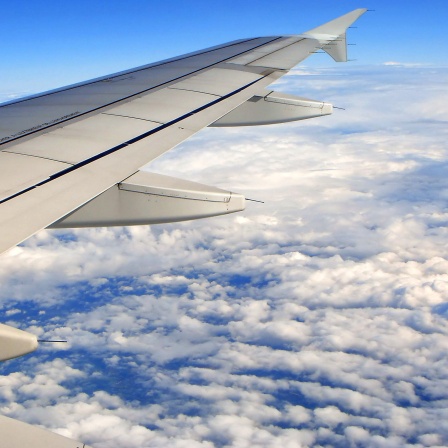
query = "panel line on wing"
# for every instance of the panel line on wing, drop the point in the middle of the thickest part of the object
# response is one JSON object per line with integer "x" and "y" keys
{"x": 36, "y": 156}
{"x": 40, "y": 129}
{"x": 138, "y": 69}
{"x": 131, "y": 141}
{"x": 255, "y": 54}
{"x": 196, "y": 91}
{"x": 128, "y": 116}
{"x": 275, "y": 51}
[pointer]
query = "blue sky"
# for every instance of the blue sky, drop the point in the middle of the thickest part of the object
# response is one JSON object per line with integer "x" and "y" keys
{"x": 316, "y": 319}
{"x": 57, "y": 43}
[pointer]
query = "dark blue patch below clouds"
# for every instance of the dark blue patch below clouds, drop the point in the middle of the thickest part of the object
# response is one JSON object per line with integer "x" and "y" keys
{"x": 441, "y": 309}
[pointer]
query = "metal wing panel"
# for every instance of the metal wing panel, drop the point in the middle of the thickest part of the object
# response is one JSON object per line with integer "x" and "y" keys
{"x": 82, "y": 140}
{"x": 56, "y": 198}
{"x": 34, "y": 114}
{"x": 164, "y": 105}
{"x": 229, "y": 80}
{"x": 50, "y": 201}
{"x": 18, "y": 172}
{"x": 264, "y": 50}
{"x": 55, "y": 189}
{"x": 148, "y": 198}
{"x": 16, "y": 434}
{"x": 288, "y": 57}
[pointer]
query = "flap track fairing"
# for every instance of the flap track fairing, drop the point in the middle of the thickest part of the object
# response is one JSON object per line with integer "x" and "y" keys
{"x": 149, "y": 198}
{"x": 273, "y": 108}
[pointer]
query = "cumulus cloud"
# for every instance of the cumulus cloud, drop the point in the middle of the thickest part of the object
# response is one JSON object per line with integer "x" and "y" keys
{"x": 317, "y": 318}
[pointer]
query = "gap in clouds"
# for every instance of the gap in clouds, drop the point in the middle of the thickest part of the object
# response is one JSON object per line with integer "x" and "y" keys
{"x": 316, "y": 318}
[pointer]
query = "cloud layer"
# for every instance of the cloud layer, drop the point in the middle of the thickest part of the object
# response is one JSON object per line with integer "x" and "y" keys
{"x": 316, "y": 319}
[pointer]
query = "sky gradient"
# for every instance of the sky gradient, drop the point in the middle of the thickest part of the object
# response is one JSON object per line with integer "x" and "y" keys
{"x": 316, "y": 319}
{"x": 56, "y": 43}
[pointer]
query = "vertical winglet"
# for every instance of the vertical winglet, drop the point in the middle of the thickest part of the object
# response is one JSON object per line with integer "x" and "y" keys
{"x": 337, "y": 48}
{"x": 332, "y": 34}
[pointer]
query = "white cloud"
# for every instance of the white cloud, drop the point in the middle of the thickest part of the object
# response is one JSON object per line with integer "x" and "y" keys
{"x": 317, "y": 318}
{"x": 403, "y": 64}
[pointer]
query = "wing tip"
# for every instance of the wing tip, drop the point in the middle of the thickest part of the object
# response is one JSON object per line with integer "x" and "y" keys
{"x": 332, "y": 35}
{"x": 338, "y": 26}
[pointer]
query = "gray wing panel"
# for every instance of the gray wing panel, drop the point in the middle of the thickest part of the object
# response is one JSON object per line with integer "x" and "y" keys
{"x": 81, "y": 140}
{"x": 18, "y": 172}
{"x": 59, "y": 196}
{"x": 230, "y": 80}
{"x": 39, "y": 207}
{"x": 164, "y": 105}
{"x": 288, "y": 57}
{"x": 258, "y": 53}
{"x": 77, "y": 142}
{"x": 28, "y": 116}
{"x": 63, "y": 148}
{"x": 16, "y": 434}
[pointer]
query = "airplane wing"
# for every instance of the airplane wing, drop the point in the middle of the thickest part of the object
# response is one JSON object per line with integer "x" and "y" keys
{"x": 71, "y": 157}
{"x": 16, "y": 434}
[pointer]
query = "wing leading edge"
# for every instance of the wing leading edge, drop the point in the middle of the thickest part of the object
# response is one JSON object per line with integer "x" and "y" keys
{"x": 62, "y": 152}
{"x": 71, "y": 157}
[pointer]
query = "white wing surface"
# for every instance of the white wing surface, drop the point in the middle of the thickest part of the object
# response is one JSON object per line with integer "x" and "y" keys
{"x": 16, "y": 434}
{"x": 62, "y": 149}
{"x": 71, "y": 157}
